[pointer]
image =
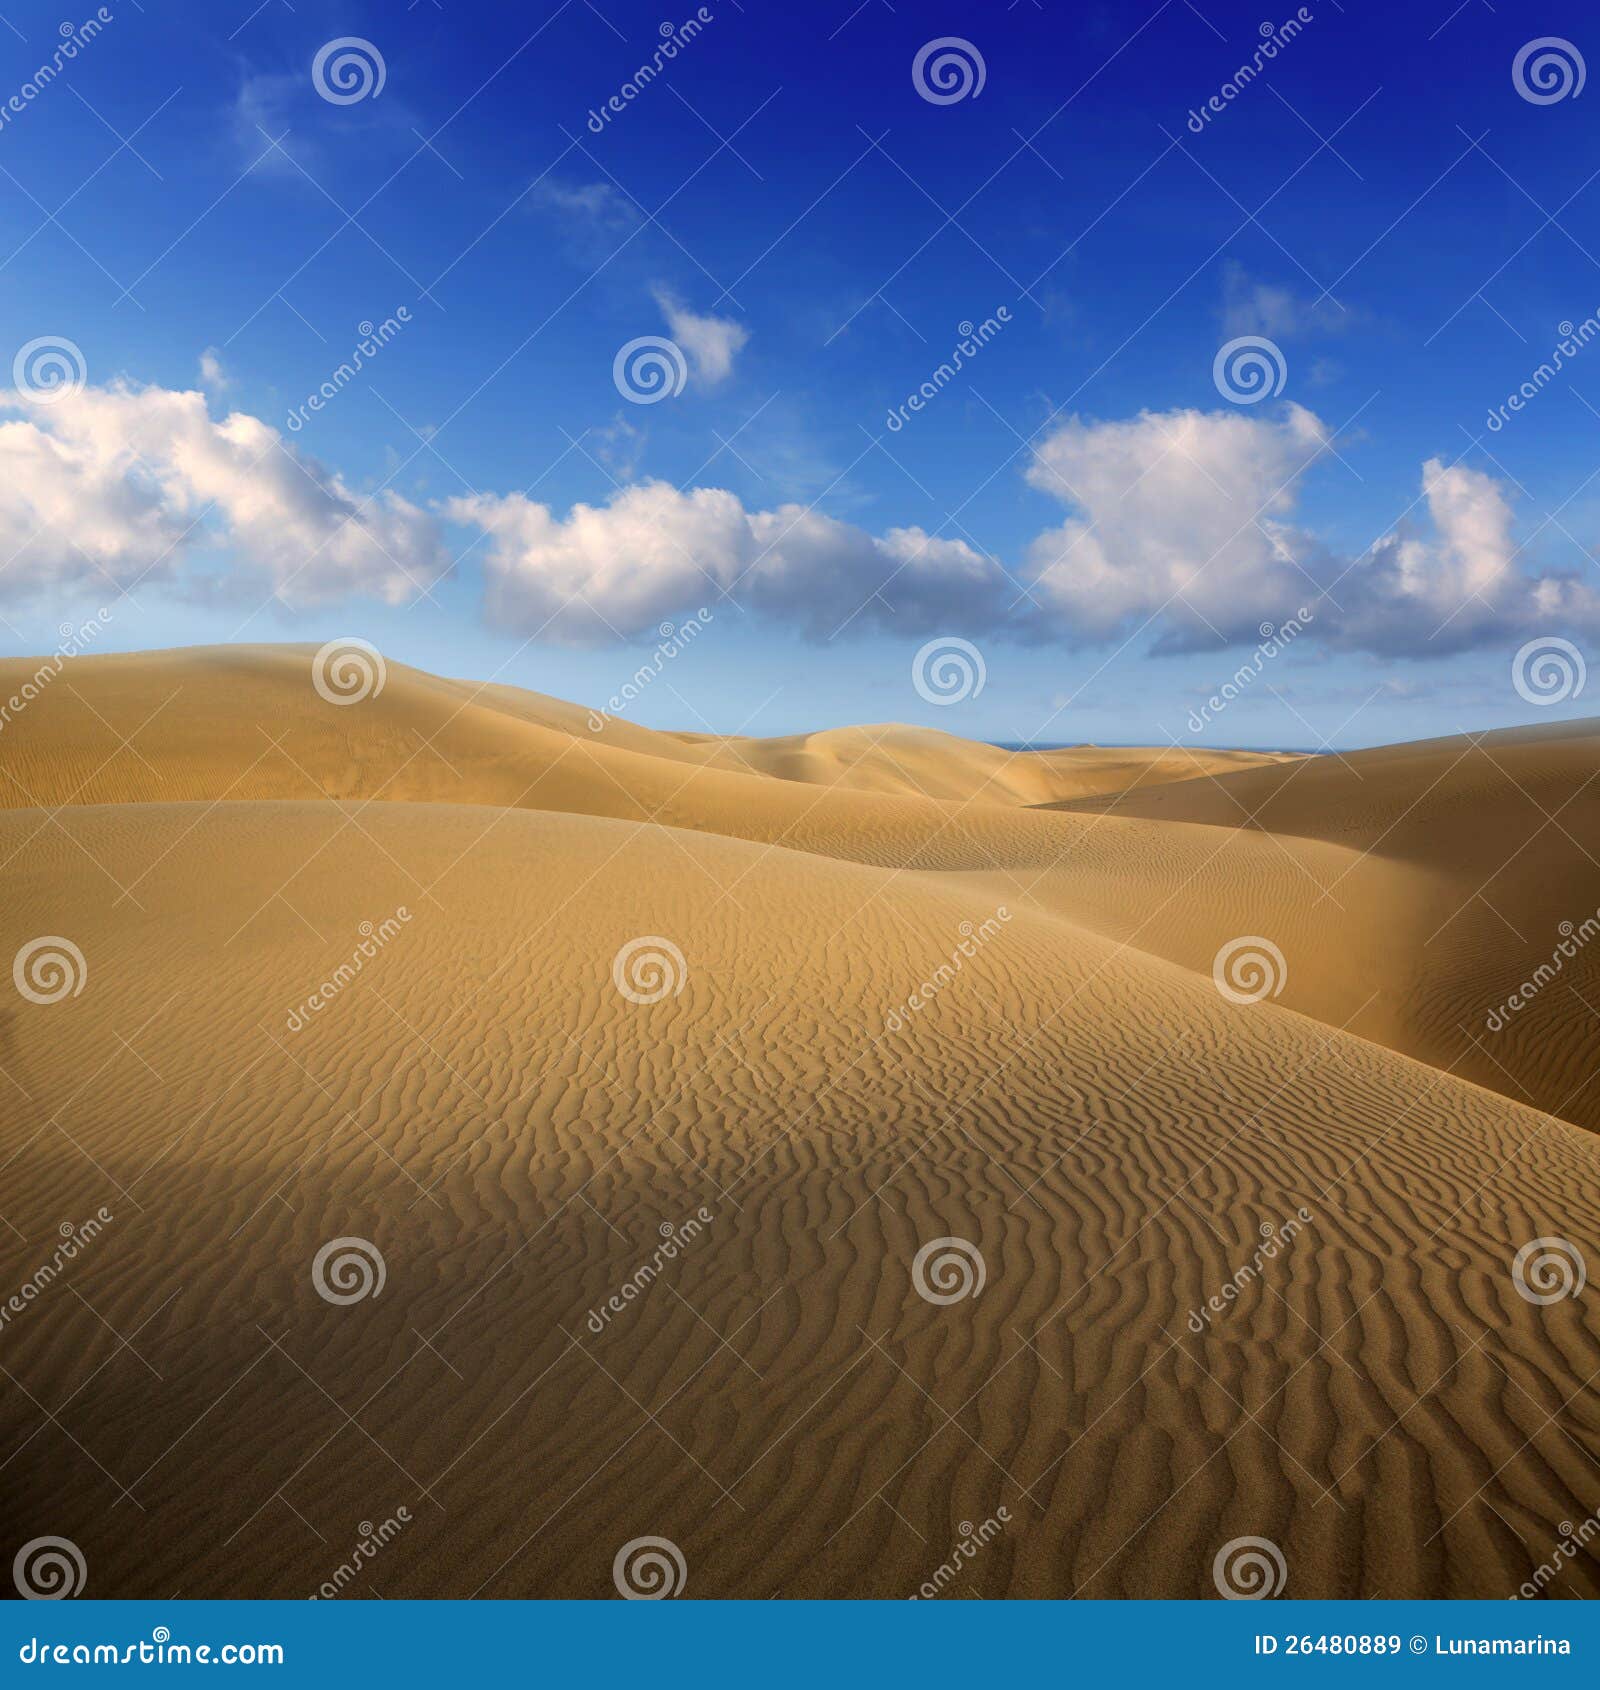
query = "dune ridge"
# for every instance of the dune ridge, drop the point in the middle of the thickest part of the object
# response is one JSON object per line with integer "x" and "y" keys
{"x": 905, "y": 1001}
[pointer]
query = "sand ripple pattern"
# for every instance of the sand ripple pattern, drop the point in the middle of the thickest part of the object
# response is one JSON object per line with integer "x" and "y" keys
{"x": 777, "y": 1399}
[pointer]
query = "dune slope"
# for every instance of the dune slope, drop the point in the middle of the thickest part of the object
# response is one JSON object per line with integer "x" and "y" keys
{"x": 1412, "y": 889}
{"x": 514, "y": 1135}
{"x": 673, "y": 1084}
{"x": 1416, "y": 891}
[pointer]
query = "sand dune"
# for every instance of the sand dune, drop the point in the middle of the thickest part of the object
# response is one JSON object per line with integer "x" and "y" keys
{"x": 247, "y": 722}
{"x": 1414, "y": 889}
{"x": 893, "y": 758}
{"x": 911, "y": 1005}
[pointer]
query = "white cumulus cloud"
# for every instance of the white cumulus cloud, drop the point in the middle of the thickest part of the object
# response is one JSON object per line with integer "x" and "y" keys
{"x": 1460, "y": 585}
{"x": 1182, "y": 530}
{"x": 652, "y": 552}
{"x": 1180, "y": 520}
{"x": 1185, "y": 532}
{"x": 114, "y": 483}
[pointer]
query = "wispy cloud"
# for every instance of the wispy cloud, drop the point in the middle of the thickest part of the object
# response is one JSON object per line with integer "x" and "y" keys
{"x": 1255, "y": 307}
{"x": 712, "y": 343}
{"x": 592, "y": 202}
{"x": 262, "y": 125}
{"x": 592, "y": 217}
{"x": 213, "y": 378}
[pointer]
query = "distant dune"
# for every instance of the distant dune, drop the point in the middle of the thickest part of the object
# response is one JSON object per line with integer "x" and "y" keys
{"x": 510, "y": 1002}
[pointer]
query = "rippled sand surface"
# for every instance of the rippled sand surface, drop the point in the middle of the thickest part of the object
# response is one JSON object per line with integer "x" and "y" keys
{"x": 800, "y": 1151}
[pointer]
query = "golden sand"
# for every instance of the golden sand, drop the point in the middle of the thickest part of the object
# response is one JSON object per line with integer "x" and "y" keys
{"x": 895, "y": 988}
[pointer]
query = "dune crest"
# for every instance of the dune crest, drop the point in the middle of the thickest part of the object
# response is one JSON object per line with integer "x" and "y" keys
{"x": 500, "y": 1005}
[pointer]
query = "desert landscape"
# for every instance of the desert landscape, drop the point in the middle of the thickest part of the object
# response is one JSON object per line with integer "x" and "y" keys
{"x": 488, "y": 1139}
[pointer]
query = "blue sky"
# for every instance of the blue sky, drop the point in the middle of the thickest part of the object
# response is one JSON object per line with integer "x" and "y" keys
{"x": 1078, "y": 497}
